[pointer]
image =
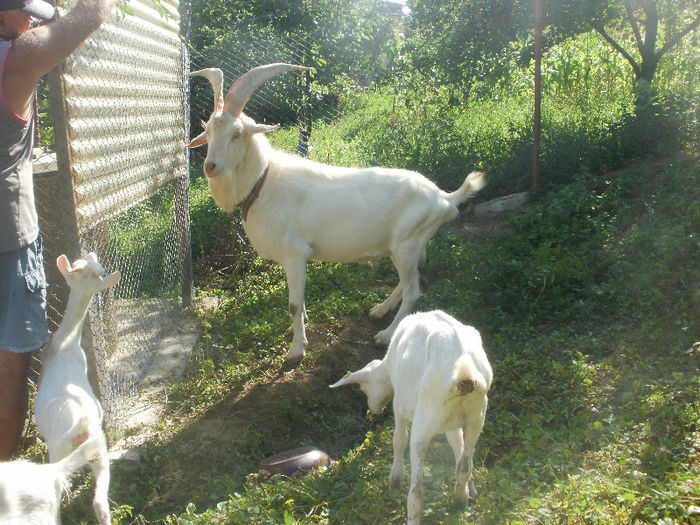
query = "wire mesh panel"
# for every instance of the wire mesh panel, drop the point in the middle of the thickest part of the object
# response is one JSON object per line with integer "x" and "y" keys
{"x": 111, "y": 177}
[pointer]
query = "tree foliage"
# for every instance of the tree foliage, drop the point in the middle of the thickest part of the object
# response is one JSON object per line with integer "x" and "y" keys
{"x": 345, "y": 38}
{"x": 465, "y": 41}
{"x": 470, "y": 40}
{"x": 656, "y": 27}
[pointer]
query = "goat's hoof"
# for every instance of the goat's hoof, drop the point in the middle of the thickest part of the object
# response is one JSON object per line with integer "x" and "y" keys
{"x": 102, "y": 513}
{"x": 395, "y": 481}
{"x": 376, "y": 312}
{"x": 461, "y": 497}
{"x": 471, "y": 489}
{"x": 295, "y": 356}
{"x": 383, "y": 337}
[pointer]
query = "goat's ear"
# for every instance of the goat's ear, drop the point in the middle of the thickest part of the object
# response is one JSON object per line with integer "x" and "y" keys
{"x": 347, "y": 380}
{"x": 111, "y": 279}
{"x": 63, "y": 265}
{"x": 262, "y": 128}
{"x": 361, "y": 376}
{"x": 198, "y": 140}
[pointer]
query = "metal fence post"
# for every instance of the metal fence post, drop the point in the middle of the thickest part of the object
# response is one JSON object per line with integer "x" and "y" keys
{"x": 537, "y": 129}
{"x": 182, "y": 184}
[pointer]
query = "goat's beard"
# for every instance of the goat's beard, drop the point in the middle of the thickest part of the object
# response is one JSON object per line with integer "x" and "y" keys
{"x": 221, "y": 191}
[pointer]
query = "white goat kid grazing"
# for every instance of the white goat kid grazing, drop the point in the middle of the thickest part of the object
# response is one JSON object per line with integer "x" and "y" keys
{"x": 65, "y": 397}
{"x": 31, "y": 493}
{"x": 439, "y": 376}
{"x": 296, "y": 210}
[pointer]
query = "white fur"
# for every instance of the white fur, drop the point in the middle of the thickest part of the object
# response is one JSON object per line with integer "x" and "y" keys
{"x": 312, "y": 211}
{"x": 30, "y": 493}
{"x": 65, "y": 397}
{"x": 429, "y": 356}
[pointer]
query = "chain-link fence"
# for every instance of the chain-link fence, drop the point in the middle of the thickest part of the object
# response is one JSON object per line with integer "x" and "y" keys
{"x": 292, "y": 100}
{"x": 112, "y": 174}
{"x": 111, "y": 177}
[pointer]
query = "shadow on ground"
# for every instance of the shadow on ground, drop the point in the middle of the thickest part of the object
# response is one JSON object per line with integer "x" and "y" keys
{"x": 291, "y": 406}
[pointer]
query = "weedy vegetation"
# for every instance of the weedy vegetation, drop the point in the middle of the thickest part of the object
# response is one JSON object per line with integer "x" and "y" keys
{"x": 587, "y": 307}
{"x": 587, "y": 300}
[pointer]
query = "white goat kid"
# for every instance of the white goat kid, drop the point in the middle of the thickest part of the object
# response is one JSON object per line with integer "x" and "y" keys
{"x": 296, "y": 210}
{"x": 439, "y": 376}
{"x": 65, "y": 396}
{"x": 31, "y": 492}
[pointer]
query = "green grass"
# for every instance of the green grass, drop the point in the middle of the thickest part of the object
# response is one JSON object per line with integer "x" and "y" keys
{"x": 445, "y": 141}
{"x": 588, "y": 310}
{"x": 576, "y": 442}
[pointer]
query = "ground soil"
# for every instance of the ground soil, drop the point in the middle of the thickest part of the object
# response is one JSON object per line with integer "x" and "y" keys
{"x": 274, "y": 411}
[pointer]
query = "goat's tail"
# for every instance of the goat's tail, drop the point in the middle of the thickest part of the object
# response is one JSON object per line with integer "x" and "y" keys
{"x": 88, "y": 442}
{"x": 88, "y": 450}
{"x": 465, "y": 379}
{"x": 473, "y": 183}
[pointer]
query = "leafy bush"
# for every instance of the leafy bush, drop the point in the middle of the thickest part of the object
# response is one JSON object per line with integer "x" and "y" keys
{"x": 575, "y": 254}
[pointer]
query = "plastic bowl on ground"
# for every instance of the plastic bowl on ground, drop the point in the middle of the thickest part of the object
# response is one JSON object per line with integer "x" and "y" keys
{"x": 296, "y": 460}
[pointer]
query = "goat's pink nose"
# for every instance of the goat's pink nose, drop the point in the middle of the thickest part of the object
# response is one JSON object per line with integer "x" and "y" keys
{"x": 209, "y": 167}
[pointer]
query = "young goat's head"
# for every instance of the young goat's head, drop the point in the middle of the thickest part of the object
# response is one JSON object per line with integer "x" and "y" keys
{"x": 228, "y": 130}
{"x": 374, "y": 382}
{"x": 86, "y": 274}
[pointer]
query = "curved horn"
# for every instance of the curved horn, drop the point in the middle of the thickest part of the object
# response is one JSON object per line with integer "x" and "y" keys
{"x": 244, "y": 87}
{"x": 216, "y": 77}
{"x": 198, "y": 140}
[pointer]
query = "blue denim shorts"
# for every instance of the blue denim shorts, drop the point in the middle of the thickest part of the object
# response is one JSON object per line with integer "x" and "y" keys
{"x": 23, "y": 323}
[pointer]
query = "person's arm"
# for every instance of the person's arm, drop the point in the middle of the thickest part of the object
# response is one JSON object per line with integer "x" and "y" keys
{"x": 37, "y": 51}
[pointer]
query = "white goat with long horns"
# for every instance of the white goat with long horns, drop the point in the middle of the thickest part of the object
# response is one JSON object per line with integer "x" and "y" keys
{"x": 296, "y": 210}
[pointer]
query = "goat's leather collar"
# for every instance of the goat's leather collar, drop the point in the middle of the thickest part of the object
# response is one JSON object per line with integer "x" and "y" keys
{"x": 246, "y": 203}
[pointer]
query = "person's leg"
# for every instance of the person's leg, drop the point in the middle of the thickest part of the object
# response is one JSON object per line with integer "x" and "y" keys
{"x": 23, "y": 329}
{"x": 14, "y": 399}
